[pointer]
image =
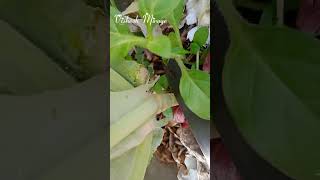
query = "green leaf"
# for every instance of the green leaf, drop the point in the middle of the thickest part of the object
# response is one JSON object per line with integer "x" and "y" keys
{"x": 133, "y": 164}
{"x": 179, "y": 51}
{"x": 117, "y": 82}
{"x": 134, "y": 107}
{"x": 159, "y": 9}
{"x": 160, "y": 45}
{"x": 162, "y": 85}
{"x": 120, "y": 40}
{"x": 194, "y": 48}
{"x": 168, "y": 113}
{"x": 134, "y": 139}
{"x": 195, "y": 91}
{"x": 201, "y": 36}
{"x": 115, "y": 25}
{"x": 173, "y": 39}
{"x": 24, "y": 68}
{"x": 139, "y": 56}
{"x": 271, "y": 82}
{"x": 174, "y": 19}
{"x": 134, "y": 131}
{"x": 133, "y": 72}
{"x": 193, "y": 67}
{"x": 121, "y": 44}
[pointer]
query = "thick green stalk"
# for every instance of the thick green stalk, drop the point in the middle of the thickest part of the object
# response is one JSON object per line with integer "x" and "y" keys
{"x": 134, "y": 139}
{"x": 177, "y": 34}
{"x": 181, "y": 65}
{"x": 117, "y": 82}
{"x": 128, "y": 123}
{"x": 113, "y": 3}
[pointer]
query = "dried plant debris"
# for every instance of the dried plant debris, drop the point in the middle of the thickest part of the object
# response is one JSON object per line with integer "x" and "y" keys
{"x": 171, "y": 149}
{"x": 180, "y": 147}
{"x": 195, "y": 162}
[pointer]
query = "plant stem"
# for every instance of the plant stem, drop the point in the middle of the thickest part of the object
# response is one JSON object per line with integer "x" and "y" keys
{"x": 197, "y": 61}
{"x": 177, "y": 34}
{"x": 181, "y": 65}
{"x": 149, "y": 31}
{"x": 113, "y": 3}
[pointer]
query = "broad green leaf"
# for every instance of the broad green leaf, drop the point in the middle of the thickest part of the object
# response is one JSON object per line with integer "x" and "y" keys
{"x": 159, "y": 9}
{"x": 161, "y": 85}
{"x": 133, "y": 164}
{"x": 174, "y": 19}
{"x": 193, "y": 67}
{"x": 179, "y": 51}
{"x": 121, "y": 44}
{"x": 155, "y": 10}
{"x": 173, "y": 39}
{"x": 117, "y": 82}
{"x": 134, "y": 139}
{"x": 139, "y": 56}
{"x": 75, "y": 32}
{"x": 135, "y": 96}
{"x": 160, "y": 45}
{"x": 139, "y": 135}
{"x": 194, "y": 48}
{"x": 121, "y": 41}
{"x": 134, "y": 132}
{"x": 195, "y": 91}
{"x": 115, "y": 23}
{"x": 134, "y": 107}
{"x": 201, "y": 36}
{"x": 24, "y": 68}
{"x": 168, "y": 114}
{"x": 133, "y": 72}
{"x": 271, "y": 82}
